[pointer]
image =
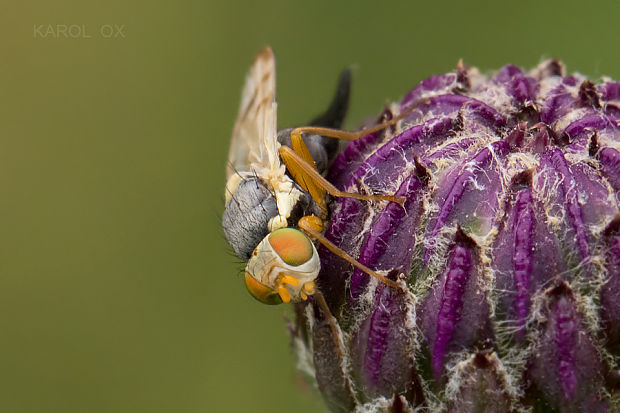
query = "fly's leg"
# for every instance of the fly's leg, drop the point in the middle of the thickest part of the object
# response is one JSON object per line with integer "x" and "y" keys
{"x": 351, "y": 136}
{"x": 312, "y": 226}
{"x": 333, "y": 323}
{"x": 309, "y": 178}
{"x": 300, "y": 164}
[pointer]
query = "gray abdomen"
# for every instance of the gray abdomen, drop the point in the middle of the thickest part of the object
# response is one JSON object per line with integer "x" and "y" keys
{"x": 246, "y": 216}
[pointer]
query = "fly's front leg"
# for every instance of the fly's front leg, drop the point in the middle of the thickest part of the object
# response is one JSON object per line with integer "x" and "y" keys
{"x": 313, "y": 226}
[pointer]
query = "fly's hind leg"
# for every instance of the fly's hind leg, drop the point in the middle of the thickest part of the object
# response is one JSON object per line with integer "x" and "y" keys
{"x": 351, "y": 136}
{"x": 310, "y": 179}
{"x": 300, "y": 164}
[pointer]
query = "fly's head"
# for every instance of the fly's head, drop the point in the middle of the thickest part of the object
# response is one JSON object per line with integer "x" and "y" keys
{"x": 283, "y": 267}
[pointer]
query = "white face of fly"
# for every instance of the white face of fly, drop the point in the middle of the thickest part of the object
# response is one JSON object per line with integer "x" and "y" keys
{"x": 254, "y": 147}
{"x": 283, "y": 267}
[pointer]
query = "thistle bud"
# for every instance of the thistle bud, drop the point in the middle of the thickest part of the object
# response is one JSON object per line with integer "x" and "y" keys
{"x": 506, "y": 251}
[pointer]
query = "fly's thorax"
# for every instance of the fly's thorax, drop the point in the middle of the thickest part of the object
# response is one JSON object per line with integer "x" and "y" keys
{"x": 287, "y": 195}
{"x": 284, "y": 252}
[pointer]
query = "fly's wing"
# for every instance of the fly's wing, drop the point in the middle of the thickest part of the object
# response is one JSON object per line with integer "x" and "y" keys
{"x": 254, "y": 145}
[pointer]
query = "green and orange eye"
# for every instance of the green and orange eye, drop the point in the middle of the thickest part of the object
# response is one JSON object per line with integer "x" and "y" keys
{"x": 261, "y": 292}
{"x": 292, "y": 245}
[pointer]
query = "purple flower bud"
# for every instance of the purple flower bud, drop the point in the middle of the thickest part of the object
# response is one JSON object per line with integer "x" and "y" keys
{"x": 507, "y": 248}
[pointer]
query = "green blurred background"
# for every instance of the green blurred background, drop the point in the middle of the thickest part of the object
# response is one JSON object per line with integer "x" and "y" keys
{"x": 118, "y": 292}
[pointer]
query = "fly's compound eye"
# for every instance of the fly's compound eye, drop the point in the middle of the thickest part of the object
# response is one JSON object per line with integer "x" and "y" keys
{"x": 261, "y": 292}
{"x": 292, "y": 245}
